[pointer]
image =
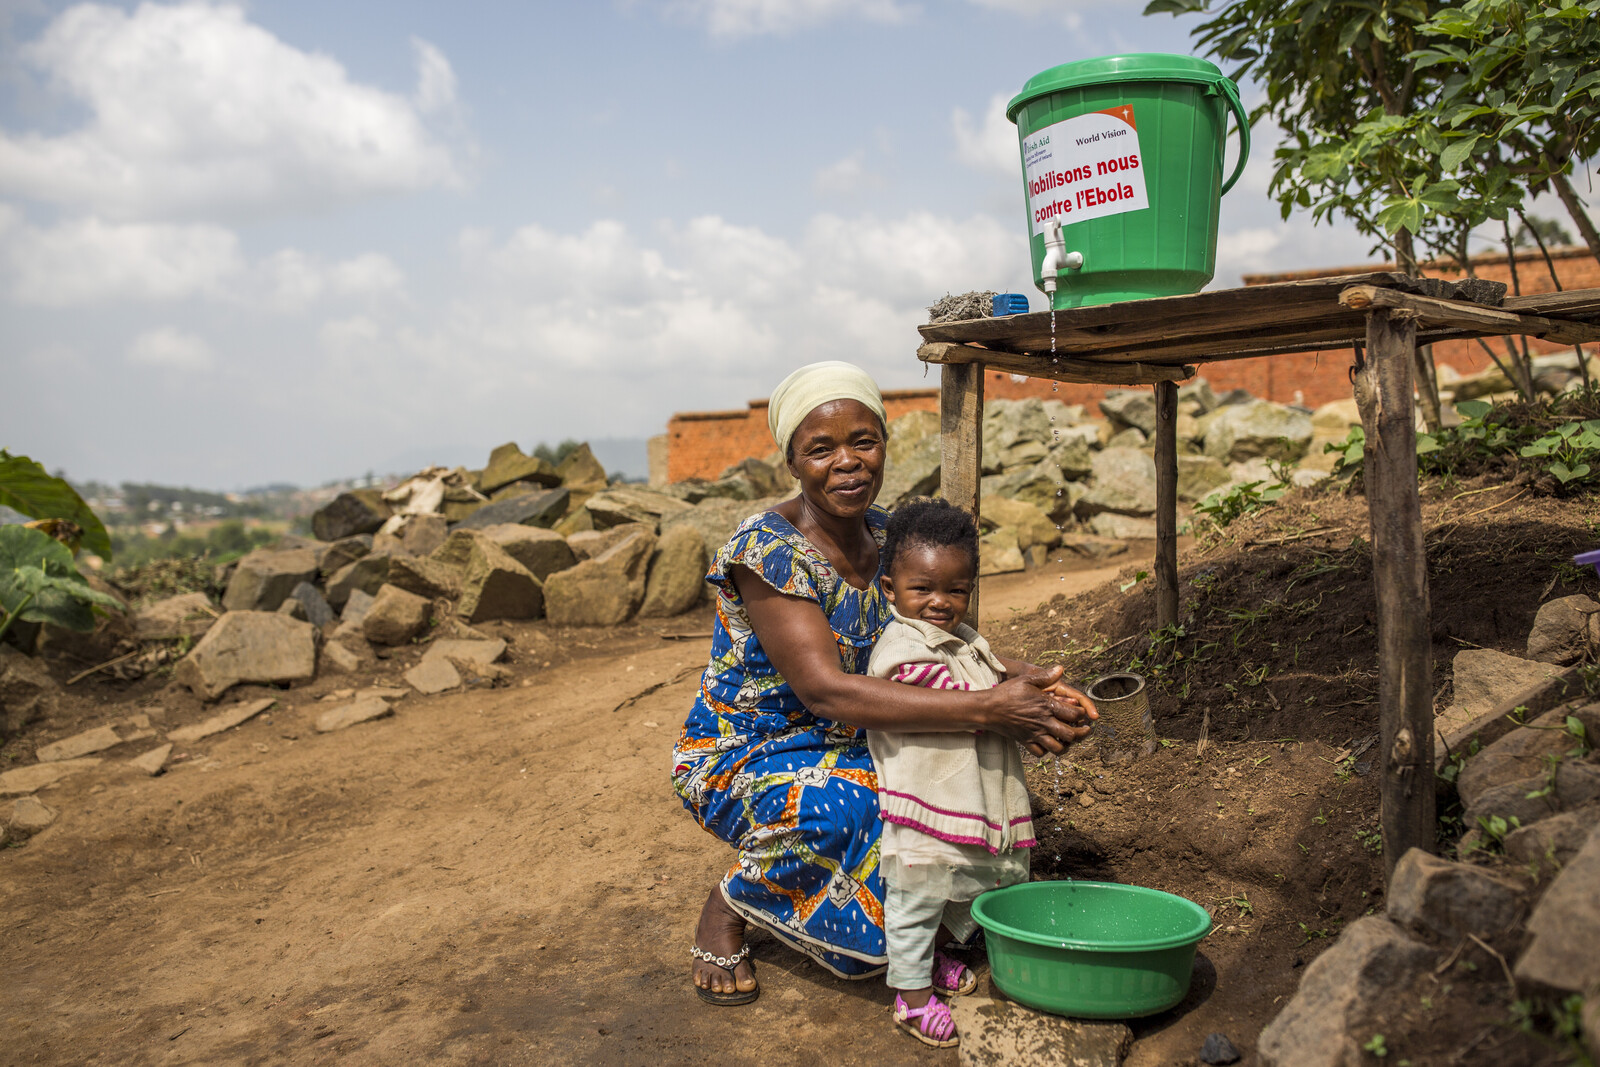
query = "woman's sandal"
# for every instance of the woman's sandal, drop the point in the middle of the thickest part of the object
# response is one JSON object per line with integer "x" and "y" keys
{"x": 727, "y": 963}
{"x": 951, "y": 977}
{"x": 936, "y": 1027}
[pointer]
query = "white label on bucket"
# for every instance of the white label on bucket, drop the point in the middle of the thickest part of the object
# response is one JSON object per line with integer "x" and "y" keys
{"x": 1084, "y": 168}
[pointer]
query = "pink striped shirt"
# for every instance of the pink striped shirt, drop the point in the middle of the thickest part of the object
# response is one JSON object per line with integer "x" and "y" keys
{"x": 928, "y": 676}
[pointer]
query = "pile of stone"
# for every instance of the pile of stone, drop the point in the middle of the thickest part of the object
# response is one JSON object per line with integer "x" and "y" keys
{"x": 1524, "y": 889}
{"x": 1057, "y": 475}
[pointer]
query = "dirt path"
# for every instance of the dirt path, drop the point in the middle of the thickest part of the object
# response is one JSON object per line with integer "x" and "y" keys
{"x": 495, "y": 876}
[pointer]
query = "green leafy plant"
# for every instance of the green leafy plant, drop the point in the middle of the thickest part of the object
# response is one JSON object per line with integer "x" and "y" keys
{"x": 40, "y": 583}
{"x": 1570, "y": 448}
{"x": 1223, "y": 507}
{"x": 1494, "y": 829}
{"x": 1135, "y": 580}
{"x": 1377, "y": 1045}
{"x": 26, "y": 487}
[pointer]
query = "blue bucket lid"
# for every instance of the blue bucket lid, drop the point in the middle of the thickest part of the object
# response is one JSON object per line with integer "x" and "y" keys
{"x": 1135, "y": 67}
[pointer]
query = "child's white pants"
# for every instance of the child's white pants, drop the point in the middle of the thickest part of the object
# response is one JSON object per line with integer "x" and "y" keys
{"x": 912, "y": 913}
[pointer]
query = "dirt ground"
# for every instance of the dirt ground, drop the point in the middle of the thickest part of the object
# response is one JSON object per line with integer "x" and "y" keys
{"x": 505, "y": 876}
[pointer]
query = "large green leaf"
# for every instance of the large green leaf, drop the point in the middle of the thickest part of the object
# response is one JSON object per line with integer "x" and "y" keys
{"x": 26, "y": 487}
{"x": 34, "y": 564}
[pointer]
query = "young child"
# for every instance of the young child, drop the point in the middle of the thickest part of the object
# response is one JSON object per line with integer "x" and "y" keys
{"x": 954, "y": 805}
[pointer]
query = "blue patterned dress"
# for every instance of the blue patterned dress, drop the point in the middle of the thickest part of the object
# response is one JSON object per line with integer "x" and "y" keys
{"x": 795, "y": 794}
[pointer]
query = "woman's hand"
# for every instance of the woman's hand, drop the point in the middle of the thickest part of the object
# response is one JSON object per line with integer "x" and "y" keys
{"x": 1039, "y": 711}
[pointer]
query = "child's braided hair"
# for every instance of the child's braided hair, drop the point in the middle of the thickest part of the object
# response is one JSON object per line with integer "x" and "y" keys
{"x": 930, "y": 521}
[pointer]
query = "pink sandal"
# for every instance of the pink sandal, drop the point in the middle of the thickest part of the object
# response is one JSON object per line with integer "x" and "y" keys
{"x": 936, "y": 1028}
{"x": 951, "y": 977}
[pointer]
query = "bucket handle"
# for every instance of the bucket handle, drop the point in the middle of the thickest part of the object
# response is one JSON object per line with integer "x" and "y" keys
{"x": 1231, "y": 91}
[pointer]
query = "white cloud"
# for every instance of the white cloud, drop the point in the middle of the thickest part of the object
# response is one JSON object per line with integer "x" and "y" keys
{"x": 293, "y": 279}
{"x": 745, "y": 18}
{"x": 91, "y": 260}
{"x": 991, "y": 146}
{"x": 170, "y": 349}
{"x": 195, "y": 111}
{"x": 846, "y": 177}
{"x": 1063, "y": 11}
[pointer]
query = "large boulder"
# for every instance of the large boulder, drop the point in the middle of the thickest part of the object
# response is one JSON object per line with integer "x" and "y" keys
{"x": 507, "y": 464}
{"x": 185, "y": 615}
{"x": 999, "y": 553}
{"x": 1565, "y": 950}
{"x": 1442, "y": 899}
{"x": 1124, "y": 482}
{"x": 1131, "y": 408}
{"x": 631, "y": 503}
{"x": 360, "y": 511}
{"x": 917, "y": 472}
{"x": 765, "y": 479}
{"x": 366, "y": 574}
{"x": 1370, "y": 966}
{"x": 1526, "y": 752}
{"x": 580, "y": 470}
{"x": 677, "y": 573}
{"x": 264, "y": 578}
{"x": 527, "y": 509}
{"x": 1198, "y": 476}
{"x": 342, "y": 553}
{"x": 715, "y": 520}
{"x": 542, "y": 551}
{"x": 249, "y": 646}
{"x": 1040, "y": 485}
{"x": 1073, "y": 455}
{"x": 1560, "y": 629}
{"x": 1482, "y": 679}
{"x": 1257, "y": 428}
{"x": 313, "y": 606}
{"x": 396, "y": 617}
{"x": 493, "y": 585}
{"x": 1016, "y": 433}
{"x": 1032, "y": 525}
{"x": 605, "y": 590}
{"x": 426, "y": 578}
{"x": 421, "y": 534}
{"x": 1552, "y": 841}
{"x": 906, "y": 434}
{"x": 591, "y": 543}
{"x": 1122, "y": 527}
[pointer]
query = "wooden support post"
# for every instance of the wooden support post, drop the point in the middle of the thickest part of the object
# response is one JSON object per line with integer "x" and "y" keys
{"x": 1166, "y": 504}
{"x": 961, "y": 428}
{"x": 1383, "y": 388}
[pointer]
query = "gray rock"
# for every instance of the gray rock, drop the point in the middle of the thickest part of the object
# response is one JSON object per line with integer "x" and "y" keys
{"x": 185, "y": 615}
{"x": 1134, "y": 408}
{"x": 580, "y": 470}
{"x": 1519, "y": 755}
{"x": 482, "y": 653}
{"x": 1199, "y": 475}
{"x": 432, "y": 676}
{"x": 29, "y": 815}
{"x": 154, "y": 761}
{"x": 905, "y": 435}
{"x": 294, "y": 609}
{"x": 356, "y": 608}
{"x": 1040, "y": 485}
{"x": 629, "y": 503}
{"x": 588, "y": 544}
{"x": 1258, "y": 428}
{"x": 1554, "y": 840}
{"x": 1073, "y": 457}
{"x": 715, "y": 520}
{"x": 264, "y": 578}
{"x": 1132, "y": 437}
{"x": 1124, "y": 483}
{"x": 1096, "y": 547}
{"x": 396, "y": 617}
{"x": 425, "y": 577}
{"x": 317, "y": 610}
{"x": 86, "y": 743}
{"x": 1528, "y": 800}
{"x": 249, "y": 646}
{"x": 542, "y": 551}
{"x": 364, "y": 709}
{"x": 677, "y": 571}
{"x": 365, "y": 575}
{"x": 916, "y": 473}
{"x": 36, "y": 776}
{"x": 605, "y": 590}
{"x": 1218, "y": 1050}
{"x": 360, "y": 511}
{"x": 1483, "y": 678}
{"x": 507, "y": 464}
{"x": 493, "y": 585}
{"x": 1198, "y": 392}
{"x": 694, "y": 490}
{"x": 1565, "y": 951}
{"x": 1122, "y": 527}
{"x": 339, "y": 659}
{"x": 999, "y": 553}
{"x": 1032, "y": 526}
{"x": 1448, "y": 900}
{"x": 1003, "y": 1033}
{"x": 1371, "y": 964}
{"x": 1560, "y": 629}
{"x": 27, "y": 692}
{"x": 421, "y": 534}
{"x": 225, "y": 719}
{"x": 342, "y": 553}
{"x": 1016, "y": 433}
{"x": 529, "y": 509}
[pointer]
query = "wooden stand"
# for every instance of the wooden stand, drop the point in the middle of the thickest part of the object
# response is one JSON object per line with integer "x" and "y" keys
{"x": 961, "y": 434}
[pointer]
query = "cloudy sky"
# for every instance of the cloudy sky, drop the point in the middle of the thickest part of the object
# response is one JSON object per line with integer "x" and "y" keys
{"x": 296, "y": 241}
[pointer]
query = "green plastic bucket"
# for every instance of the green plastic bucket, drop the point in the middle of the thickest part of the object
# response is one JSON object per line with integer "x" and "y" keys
{"x": 1125, "y": 153}
{"x": 1094, "y": 950}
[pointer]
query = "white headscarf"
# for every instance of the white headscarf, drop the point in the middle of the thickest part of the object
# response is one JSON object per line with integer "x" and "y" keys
{"x": 810, "y": 387}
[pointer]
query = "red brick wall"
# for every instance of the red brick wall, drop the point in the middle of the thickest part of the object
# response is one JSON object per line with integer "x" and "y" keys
{"x": 704, "y": 444}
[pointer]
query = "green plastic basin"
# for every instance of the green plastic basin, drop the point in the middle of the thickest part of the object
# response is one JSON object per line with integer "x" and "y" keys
{"x": 1095, "y": 950}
